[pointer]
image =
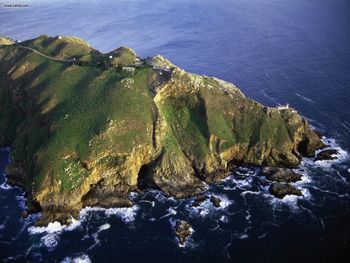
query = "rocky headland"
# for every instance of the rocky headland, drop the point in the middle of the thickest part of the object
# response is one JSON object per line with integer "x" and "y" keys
{"x": 88, "y": 128}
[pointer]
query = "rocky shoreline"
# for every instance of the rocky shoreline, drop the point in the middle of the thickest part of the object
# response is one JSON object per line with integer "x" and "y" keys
{"x": 279, "y": 181}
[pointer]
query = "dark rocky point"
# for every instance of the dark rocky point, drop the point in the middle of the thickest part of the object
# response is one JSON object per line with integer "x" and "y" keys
{"x": 280, "y": 190}
{"x": 281, "y": 175}
{"x": 326, "y": 155}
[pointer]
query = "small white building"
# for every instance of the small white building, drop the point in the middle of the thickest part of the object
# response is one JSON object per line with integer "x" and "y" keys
{"x": 129, "y": 69}
{"x": 110, "y": 57}
{"x": 286, "y": 107}
{"x": 59, "y": 37}
{"x": 283, "y": 107}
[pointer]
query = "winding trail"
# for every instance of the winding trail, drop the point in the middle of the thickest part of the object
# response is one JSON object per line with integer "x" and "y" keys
{"x": 46, "y": 56}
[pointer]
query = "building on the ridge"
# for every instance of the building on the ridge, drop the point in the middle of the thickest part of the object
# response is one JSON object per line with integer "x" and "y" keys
{"x": 285, "y": 107}
{"x": 129, "y": 69}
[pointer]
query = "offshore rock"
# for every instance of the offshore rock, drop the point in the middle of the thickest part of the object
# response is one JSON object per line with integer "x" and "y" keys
{"x": 327, "y": 155}
{"x": 215, "y": 201}
{"x": 183, "y": 231}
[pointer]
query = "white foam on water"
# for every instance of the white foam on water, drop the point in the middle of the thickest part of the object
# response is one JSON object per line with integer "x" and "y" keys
{"x": 207, "y": 208}
{"x": 241, "y": 236}
{"x": 80, "y": 259}
{"x": 290, "y": 200}
{"x": 126, "y": 214}
{"x": 224, "y": 219}
{"x": 51, "y": 233}
{"x": 262, "y": 235}
{"x": 96, "y": 235}
{"x": 248, "y": 216}
{"x": 6, "y": 186}
{"x": 241, "y": 183}
{"x": 172, "y": 222}
{"x": 104, "y": 227}
{"x": 171, "y": 211}
{"x": 160, "y": 197}
{"x": 54, "y": 227}
{"x": 50, "y": 241}
{"x": 250, "y": 192}
{"x": 21, "y": 201}
{"x": 329, "y": 192}
{"x": 152, "y": 203}
{"x": 225, "y": 202}
{"x": 306, "y": 194}
{"x": 322, "y": 223}
{"x": 134, "y": 195}
{"x": 2, "y": 226}
{"x": 305, "y": 177}
{"x": 304, "y": 98}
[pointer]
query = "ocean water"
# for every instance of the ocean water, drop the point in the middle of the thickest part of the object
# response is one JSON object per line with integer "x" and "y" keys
{"x": 276, "y": 51}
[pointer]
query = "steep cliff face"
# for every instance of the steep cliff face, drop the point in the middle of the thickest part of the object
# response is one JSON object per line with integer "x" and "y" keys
{"x": 87, "y": 132}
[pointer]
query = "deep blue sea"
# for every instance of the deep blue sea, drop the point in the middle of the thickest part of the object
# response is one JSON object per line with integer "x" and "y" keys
{"x": 276, "y": 51}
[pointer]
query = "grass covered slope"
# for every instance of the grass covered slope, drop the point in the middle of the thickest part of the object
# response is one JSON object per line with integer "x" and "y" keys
{"x": 89, "y": 132}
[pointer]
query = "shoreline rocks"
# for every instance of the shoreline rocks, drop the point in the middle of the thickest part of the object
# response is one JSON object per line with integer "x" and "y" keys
{"x": 280, "y": 190}
{"x": 199, "y": 200}
{"x": 281, "y": 175}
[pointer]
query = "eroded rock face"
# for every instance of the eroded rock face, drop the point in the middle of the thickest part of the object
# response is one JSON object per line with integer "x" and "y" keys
{"x": 282, "y": 175}
{"x": 280, "y": 190}
{"x": 88, "y": 135}
{"x": 183, "y": 231}
{"x": 6, "y": 41}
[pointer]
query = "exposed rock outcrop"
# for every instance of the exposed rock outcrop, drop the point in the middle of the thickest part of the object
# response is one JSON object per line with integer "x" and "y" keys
{"x": 216, "y": 201}
{"x": 329, "y": 154}
{"x": 183, "y": 231}
{"x": 199, "y": 200}
{"x": 282, "y": 175}
{"x": 280, "y": 190}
